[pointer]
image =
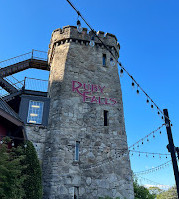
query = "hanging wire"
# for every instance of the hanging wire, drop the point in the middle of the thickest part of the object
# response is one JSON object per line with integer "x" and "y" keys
{"x": 153, "y": 182}
{"x": 146, "y": 137}
{"x": 122, "y": 67}
{"x": 149, "y": 153}
{"x": 154, "y": 169}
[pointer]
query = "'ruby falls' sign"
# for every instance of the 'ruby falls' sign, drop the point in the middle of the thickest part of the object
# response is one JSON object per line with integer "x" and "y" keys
{"x": 92, "y": 93}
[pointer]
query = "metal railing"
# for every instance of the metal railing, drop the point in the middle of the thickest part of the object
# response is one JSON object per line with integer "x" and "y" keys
{"x": 34, "y": 54}
{"x": 35, "y": 84}
{"x": 18, "y": 85}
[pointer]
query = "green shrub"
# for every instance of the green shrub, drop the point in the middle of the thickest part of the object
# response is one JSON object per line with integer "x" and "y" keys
{"x": 11, "y": 176}
{"x": 33, "y": 183}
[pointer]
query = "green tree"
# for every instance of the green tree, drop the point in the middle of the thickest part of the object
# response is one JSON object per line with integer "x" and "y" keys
{"x": 142, "y": 192}
{"x": 107, "y": 197}
{"x": 33, "y": 183}
{"x": 155, "y": 190}
{"x": 169, "y": 194}
{"x": 11, "y": 176}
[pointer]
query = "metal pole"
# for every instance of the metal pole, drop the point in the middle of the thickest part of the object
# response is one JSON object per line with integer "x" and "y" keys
{"x": 172, "y": 149}
{"x": 177, "y": 150}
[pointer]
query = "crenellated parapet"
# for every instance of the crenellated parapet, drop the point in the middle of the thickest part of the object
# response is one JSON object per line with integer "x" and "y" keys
{"x": 70, "y": 34}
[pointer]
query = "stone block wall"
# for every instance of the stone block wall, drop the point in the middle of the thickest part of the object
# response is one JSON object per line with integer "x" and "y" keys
{"x": 81, "y": 89}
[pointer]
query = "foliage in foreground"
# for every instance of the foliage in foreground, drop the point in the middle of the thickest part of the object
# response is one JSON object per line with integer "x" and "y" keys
{"x": 11, "y": 177}
{"x": 142, "y": 192}
{"x": 169, "y": 194}
{"x": 20, "y": 172}
{"x": 108, "y": 198}
{"x": 33, "y": 183}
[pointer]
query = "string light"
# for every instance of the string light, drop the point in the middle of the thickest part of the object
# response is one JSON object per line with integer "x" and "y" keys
{"x": 137, "y": 91}
{"x": 156, "y": 183}
{"x": 153, "y": 169}
{"x": 149, "y": 153}
{"x": 112, "y": 62}
{"x": 133, "y": 85}
{"x": 146, "y": 137}
{"x": 121, "y": 72}
{"x": 92, "y": 44}
{"x": 79, "y": 27}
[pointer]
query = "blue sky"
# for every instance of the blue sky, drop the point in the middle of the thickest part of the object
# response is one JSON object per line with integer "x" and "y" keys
{"x": 148, "y": 34}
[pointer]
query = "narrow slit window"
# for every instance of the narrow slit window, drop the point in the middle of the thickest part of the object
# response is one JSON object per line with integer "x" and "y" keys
{"x": 106, "y": 117}
{"x": 76, "y": 192}
{"x": 104, "y": 59}
{"x": 77, "y": 148}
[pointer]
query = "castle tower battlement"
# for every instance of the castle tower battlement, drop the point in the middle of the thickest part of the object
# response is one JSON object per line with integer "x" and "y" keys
{"x": 70, "y": 34}
{"x": 86, "y": 154}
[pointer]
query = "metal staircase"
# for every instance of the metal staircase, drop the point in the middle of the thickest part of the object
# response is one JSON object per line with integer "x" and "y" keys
{"x": 10, "y": 86}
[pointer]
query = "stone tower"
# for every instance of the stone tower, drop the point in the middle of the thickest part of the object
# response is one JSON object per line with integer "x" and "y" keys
{"x": 86, "y": 154}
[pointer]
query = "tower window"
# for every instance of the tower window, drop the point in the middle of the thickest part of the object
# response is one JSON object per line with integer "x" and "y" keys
{"x": 35, "y": 112}
{"x": 77, "y": 147}
{"x": 106, "y": 117}
{"x": 76, "y": 192}
{"x": 104, "y": 59}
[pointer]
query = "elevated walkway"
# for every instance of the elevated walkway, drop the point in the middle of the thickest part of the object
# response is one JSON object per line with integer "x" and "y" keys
{"x": 34, "y": 59}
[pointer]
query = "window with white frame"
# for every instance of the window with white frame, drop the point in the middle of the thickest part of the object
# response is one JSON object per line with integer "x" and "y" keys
{"x": 35, "y": 112}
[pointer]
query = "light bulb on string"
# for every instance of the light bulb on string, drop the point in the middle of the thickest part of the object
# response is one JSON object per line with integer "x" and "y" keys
{"x": 121, "y": 72}
{"x": 1, "y": 142}
{"x": 112, "y": 62}
{"x": 25, "y": 145}
{"x": 12, "y": 144}
{"x": 79, "y": 27}
{"x": 137, "y": 91}
{"x": 153, "y": 136}
{"x": 147, "y": 101}
{"x": 160, "y": 132}
{"x": 92, "y": 43}
{"x": 133, "y": 85}
{"x": 152, "y": 105}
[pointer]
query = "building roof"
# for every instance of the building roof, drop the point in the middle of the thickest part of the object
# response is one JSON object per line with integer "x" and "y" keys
{"x": 7, "y": 112}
